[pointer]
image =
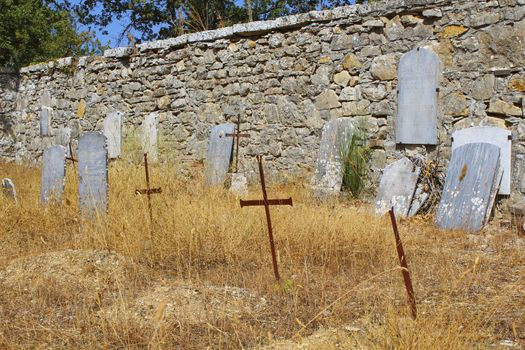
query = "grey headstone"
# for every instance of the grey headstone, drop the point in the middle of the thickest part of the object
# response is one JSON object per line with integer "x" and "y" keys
{"x": 495, "y": 136}
{"x": 53, "y": 174}
{"x": 418, "y": 77}
{"x": 63, "y": 136}
{"x": 9, "y": 189}
{"x": 149, "y": 135}
{"x": 113, "y": 133}
{"x": 328, "y": 173}
{"x": 397, "y": 187}
{"x": 45, "y": 121}
{"x": 92, "y": 173}
{"x": 473, "y": 177}
{"x": 420, "y": 198}
{"x": 219, "y": 154}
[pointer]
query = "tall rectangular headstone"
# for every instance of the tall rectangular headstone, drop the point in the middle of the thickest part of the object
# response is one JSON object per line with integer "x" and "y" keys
{"x": 219, "y": 154}
{"x": 149, "y": 135}
{"x": 113, "y": 133}
{"x": 495, "y": 136}
{"x": 328, "y": 173}
{"x": 63, "y": 136}
{"x": 397, "y": 187}
{"x": 92, "y": 173}
{"x": 473, "y": 177}
{"x": 53, "y": 174}
{"x": 45, "y": 121}
{"x": 418, "y": 77}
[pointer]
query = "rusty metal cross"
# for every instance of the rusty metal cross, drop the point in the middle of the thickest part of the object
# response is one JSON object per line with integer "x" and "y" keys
{"x": 236, "y": 136}
{"x": 148, "y": 191}
{"x": 266, "y": 203}
{"x": 71, "y": 158}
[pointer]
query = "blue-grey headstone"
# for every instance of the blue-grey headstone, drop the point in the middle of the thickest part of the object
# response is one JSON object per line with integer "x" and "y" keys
{"x": 496, "y": 136}
{"x": 53, "y": 174}
{"x": 93, "y": 173}
{"x": 418, "y": 77}
{"x": 335, "y": 140}
{"x": 397, "y": 187}
{"x": 9, "y": 189}
{"x": 473, "y": 177}
{"x": 113, "y": 133}
{"x": 45, "y": 121}
{"x": 219, "y": 154}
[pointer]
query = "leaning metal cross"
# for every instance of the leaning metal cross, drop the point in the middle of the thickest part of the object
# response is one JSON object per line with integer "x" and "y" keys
{"x": 236, "y": 135}
{"x": 71, "y": 158}
{"x": 267, "y": 202}
{"x": 148, "y": 191}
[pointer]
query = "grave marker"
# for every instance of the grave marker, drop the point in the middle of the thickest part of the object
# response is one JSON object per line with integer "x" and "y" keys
{"x": 93, "y": 174}
{"x": 113, "y": 133}
{"x": 239, "y": 183}
{"x": 328, "y": 173}
{"x": 148, "y": 191}
{"x": 149, "y": 135}
{"x": 495, "y": 136}
{"x": 397, "y": 187}
{"x": 219, "y": 154}
{"x": 53, "y": 174}
{"x": 473, "y": 177}
{"x": 63, "y": 136}
{"x": 45, "y": 121}
{"x": 418, "y": 75}
{"x": 9, "y": 189}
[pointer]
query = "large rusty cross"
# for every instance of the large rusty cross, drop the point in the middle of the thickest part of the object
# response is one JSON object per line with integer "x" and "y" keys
{"x": 148, "y": 191}
{"x": 266, "y": 203}
{"x": 236, "y": 136}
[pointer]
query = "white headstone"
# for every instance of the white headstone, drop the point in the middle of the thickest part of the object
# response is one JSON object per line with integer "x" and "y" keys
{"x": 495, "y": 136}
{"x": 219, "y": 154}
{"x": 45, "y": 121}
{"x": 418, "y": 75}
{"x": 149, "y": 135}
{"x": 92, "y": 173}
{"x": 239, "y": 184}
{"x": 113, "y": 133}
{"x": 397, "y": 187}
{"x": 53, "y": 174}
{"x": 9, "y": 189}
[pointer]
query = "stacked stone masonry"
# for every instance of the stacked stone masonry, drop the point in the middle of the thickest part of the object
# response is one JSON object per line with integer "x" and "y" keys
{"x": 287, "y": 77}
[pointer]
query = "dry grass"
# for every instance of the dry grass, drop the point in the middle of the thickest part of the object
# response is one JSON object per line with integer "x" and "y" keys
{"x": 201, "y": 277}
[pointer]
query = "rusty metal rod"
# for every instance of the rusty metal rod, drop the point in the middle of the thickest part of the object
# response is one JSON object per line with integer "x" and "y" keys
{"x": 256, "y": 202}
{"x": 404, "y": 266}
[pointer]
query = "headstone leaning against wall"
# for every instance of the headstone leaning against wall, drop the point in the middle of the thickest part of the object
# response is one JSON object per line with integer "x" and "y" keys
{"x": 113, "y": 133}
{"x": 53, "y": 174}
{"x": 219, "y": 154}
{"x": 149, "y": 135}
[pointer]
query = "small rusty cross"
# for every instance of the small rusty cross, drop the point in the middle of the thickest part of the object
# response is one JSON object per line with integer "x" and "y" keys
{"x": 71, "y": 158}
{"x": 236, "y": 136}
{"x": 267, "y": 202}
{"x": 404, "y": 266}
{"x": 148, "y": 191}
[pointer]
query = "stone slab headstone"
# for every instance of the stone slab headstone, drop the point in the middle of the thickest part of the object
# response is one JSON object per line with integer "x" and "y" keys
{"x": 45, "y": 121}
{"x": 397, "y": 187}
{"x": 9, "y": 189}
{"x": 149, "y": 135}
{"x": 496, "y": 136}
{"x": 113, "y": 133}
{"x": 328, "y": 173}
{"x": 418, "y": 75}
{"x": 63, "y": 136}
{"x": 219, "y": 154}
{"x": 53, "y": 174}
{"x": 239, "y": 185}
{"x": 473, "y": 177}
{"x": 92, "y": 173}
{"x": 420, "y": 198}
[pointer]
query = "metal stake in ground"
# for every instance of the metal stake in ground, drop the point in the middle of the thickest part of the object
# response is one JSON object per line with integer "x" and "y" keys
{"x": 267, "y": 202}
{"x": 71, "y": 158}
{"x": 148, "y": 191}
{"x": 236, "y": 136}
{"x": 404, "y": 266}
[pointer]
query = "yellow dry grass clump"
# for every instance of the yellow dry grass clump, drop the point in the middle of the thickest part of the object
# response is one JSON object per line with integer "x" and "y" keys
{"x": 200, "y": 276}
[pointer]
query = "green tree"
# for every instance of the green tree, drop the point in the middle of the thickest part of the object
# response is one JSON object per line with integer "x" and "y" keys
{"x": 33, "y": 31}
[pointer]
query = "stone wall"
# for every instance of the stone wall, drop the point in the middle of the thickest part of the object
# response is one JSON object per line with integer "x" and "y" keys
{"x": 287, "y": 77}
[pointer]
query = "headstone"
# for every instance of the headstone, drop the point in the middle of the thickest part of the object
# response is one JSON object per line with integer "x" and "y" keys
{"x": 397, "y": 187}
{"x": 92, "y": 173}
{"x": 149, "y": 135}
{"x": 63, "y": 136}
{"x": 9, "y": 189}
{"x": 219, "y": 154}
{"x": 473, "y": 177}
{"x": 328, "y": 173}
{"x": 495, "y": 136}
{"x": 53, "y": 174}
{"x": 113, "y": 133}
{"x": 239, "y": 184}
{"x": 420, "y": 198}
{"x": 418, "y": 77}
{"x": 45, "y": 121}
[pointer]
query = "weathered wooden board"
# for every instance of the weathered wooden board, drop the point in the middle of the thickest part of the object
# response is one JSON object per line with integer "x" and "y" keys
{"x": 53, "y": 174}
{"x": 93, "y": 173}
{"x": 496, "y": 136}
{"x": 328, "y": 173}
{"x": 397, "y": 187}
{"x": 418, "y": 77}
{"x": 471, "y": 185}
{"x": 219, "y": 154}
{"x": 113, "y": 133}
